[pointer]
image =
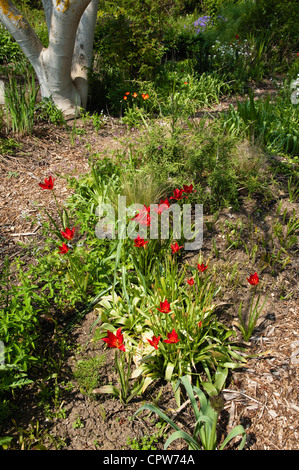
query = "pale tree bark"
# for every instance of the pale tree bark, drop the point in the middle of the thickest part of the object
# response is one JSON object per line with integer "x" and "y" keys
{"x": 62, "y": 67}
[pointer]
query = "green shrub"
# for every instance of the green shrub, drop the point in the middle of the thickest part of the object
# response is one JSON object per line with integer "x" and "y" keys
{"x": 279, "y": 20}
{"x": 273, "y": 25}
{"x": 181, "y": 41}
{"x": 129, "y": 43}
{"x": 10, "y": 51}
{"x": 212, "y": 6}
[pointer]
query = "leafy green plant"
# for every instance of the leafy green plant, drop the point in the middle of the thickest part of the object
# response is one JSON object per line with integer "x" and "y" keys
{"x": 98, "y": 120}
{"x": 18, "y": 328}
{"x": 9, "y": 145}
{"x": 206, "y": 415}
{"x": 78, "y": 423}
{"x": 87, "y": 373}
{"x": 10, "y": 51}
{"x": 145, "y": 443}
{"x": 47, "y": 111}
{"x": 5, "y": 441}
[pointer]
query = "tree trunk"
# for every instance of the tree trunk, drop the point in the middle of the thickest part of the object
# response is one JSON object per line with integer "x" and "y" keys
{"x": 62, "y": 67}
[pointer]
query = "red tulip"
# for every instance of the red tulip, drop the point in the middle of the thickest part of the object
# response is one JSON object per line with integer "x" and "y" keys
{"x": 154, "y": 341}
{"x": 190, "y": 281}
{"x": 68, "y": 233}
{"x": 253, "y": 279}
{"x": 177, "y": 194}
{"x": 164, "y": 307}
{"x": 48, "y": 184}
{"x": 63, "y": 249}
{"x": 172, "y": 337}
{"x": 140, "y": 242}
{"x": 166, "y": 202}
{"x": 188, "y": 189}
{"x": 143, "y": 216}
{"x": 201, "y": 267}
{"x": 115, "y": 341}
{"x": 145, "y": 96}
{"x": 163, "y": 206}
{"x": 175, "y": 248}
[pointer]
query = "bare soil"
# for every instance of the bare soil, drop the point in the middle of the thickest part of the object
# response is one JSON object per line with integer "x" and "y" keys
{"x": 263, "y": 396}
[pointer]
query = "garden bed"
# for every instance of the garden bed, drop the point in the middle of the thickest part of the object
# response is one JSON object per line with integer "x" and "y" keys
{"x": 262, "y": 395}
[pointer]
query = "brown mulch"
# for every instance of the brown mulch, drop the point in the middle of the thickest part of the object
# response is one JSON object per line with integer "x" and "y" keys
{"x": 263, "y": 396}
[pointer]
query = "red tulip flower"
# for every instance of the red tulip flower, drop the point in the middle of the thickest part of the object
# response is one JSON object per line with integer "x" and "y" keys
{"x": 63, "y": 249}
{"x": 48, "y": 184}
{"x": 143, "y": 216}
{"x": 188, "y": 189}
{"x": 166, "y": 202}
{"x": 177, "y": 194}
{"x": 190, "y": 281}
{"x": 140, "y": 242}
{"x": 164, "y": 307}
{"x": 115, "y": 341}
{"x": 163, "y": 206}
{"x": 172, "y": 337}
{"x": 253, "y": 279}
{"x": 68, "y": 233}
{"x": 154, "y": 341}
{"x": 201, "y": 267}
{"x": 145, "y": 96}
{"x": 175, "y": 248}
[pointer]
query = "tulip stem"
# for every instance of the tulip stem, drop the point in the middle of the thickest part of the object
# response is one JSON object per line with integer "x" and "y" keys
{"x": 58, "y": 208}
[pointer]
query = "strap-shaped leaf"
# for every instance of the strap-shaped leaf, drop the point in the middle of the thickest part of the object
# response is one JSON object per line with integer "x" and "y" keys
{"x": 169, "y": 371}
{"x": 238, "y": 430}
{"x": 155, "y": 409}
{"x": 193, "y": 445}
